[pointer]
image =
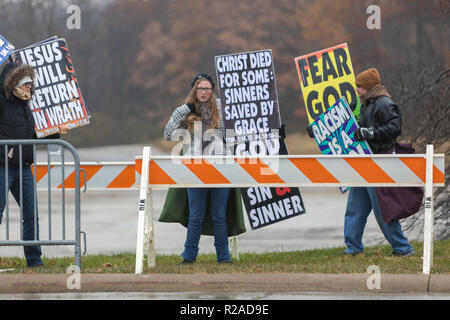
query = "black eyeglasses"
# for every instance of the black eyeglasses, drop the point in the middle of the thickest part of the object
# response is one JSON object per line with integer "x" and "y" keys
{"x": 28, "y": 84}
{"x": 204, "y": 89}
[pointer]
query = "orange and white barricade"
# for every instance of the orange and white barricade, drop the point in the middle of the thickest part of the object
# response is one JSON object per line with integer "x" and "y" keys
{"x": 396, "y": 170}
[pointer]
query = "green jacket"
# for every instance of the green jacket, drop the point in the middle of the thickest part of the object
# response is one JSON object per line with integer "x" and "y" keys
{"x": 176, "y": 209}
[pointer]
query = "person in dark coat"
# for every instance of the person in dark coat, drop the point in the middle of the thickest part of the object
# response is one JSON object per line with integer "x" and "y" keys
{"x": 380, "y": 125}
{"x": 17, "y": 122}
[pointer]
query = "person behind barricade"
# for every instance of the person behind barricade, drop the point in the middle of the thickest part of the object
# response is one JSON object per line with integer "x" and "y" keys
{"x": 17, "y": 122}
{"x": 380, "y": 125}
{"x": 200, "y": 124}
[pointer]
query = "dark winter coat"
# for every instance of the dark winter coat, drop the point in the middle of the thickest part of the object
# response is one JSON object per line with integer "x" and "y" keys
{"x": 16, "y": 119}
{"x": 383, "y": 115}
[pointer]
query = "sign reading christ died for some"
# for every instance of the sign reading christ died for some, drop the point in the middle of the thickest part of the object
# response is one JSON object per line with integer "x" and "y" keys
{"x": 57, "y": 99}
{"x": 251, "y": 112}
{"x": 248, "y": 95}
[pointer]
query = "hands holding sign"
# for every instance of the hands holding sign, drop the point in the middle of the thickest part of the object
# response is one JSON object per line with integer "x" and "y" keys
{"x": 63, "y": 129}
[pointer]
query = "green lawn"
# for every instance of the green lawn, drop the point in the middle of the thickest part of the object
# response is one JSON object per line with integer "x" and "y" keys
{"x": 307, "y": 261}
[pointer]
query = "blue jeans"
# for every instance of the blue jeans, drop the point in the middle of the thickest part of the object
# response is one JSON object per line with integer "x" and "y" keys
{"x": 197, "y": 204}
{"x": 32, "y": 253}
{"x": 359, "y": 204}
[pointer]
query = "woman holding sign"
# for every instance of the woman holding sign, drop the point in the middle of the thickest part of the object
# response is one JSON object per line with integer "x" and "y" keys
{"x": 17, "y": 122}
{"x": 199, "y": 123}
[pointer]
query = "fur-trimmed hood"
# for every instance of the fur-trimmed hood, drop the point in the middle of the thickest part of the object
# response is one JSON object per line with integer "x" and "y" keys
{"x": 11, "y": 74}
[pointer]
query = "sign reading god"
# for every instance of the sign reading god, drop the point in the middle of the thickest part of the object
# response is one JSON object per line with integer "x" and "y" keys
{"x": 325, "y": 76}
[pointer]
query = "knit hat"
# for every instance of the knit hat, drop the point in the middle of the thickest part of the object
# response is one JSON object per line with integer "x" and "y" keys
{"x": 368, "y": 78}
{"x": 203, "y": 75}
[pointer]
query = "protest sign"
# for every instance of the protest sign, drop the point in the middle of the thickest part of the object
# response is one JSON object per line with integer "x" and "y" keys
{"x": 325, "y": 76}
{"x": 334, "y": 131}
{"x": 266, "y": 206}
{"x": 57, "y": 98}
{"x": 250, "y": 110}
{"x": 248, "y": 95}
{"x": 5, "y": 49}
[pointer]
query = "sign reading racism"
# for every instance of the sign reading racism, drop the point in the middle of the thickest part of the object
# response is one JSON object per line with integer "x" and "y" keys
{"x": 5, "y": 49}
{"x": 248, "y": 95}
{"x": 250, "y": 111}
{"x": 57, "y": 99}
{"x": 334, "y": 131}
{"x": 325, "y": 76}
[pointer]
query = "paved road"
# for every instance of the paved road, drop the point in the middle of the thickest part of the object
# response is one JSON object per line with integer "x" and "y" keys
{"x": 222, "y": 286}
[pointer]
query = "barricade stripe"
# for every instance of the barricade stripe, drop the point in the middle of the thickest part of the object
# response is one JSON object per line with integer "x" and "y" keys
{"x": 287, "y": 171}
{"x": 41, "y": 171}
{"x": 232, "y": 171}
{"x": 69, "y": 182}
{"x": 417, "y": 165}
{"x": 206, "y": 172}
{"x": 314, "y": 170}
{"x": 341, "y": 170}
{"x": 125, "y": 179}
{"x": 259, "y": 171}
{"x": 158, "y": 175}
{"x": 438, "y": 175}
{"x": 369, "y": 170}
{"x": 103, "y": 178}
{"x": 397, "y": 170}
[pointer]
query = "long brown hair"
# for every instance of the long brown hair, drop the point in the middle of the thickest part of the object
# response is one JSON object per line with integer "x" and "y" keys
{"x": 212, "y": 104}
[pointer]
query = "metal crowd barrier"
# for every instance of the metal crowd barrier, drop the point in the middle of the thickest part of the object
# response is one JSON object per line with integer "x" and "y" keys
{"x": 59, "y": 147}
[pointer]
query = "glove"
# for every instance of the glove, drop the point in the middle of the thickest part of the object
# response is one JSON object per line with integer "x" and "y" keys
{"x": 365, "y": 134}
{"x": 310, "y": 132}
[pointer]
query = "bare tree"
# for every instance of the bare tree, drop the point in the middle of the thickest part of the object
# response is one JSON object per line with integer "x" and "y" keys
{"x": 425, "y": 109}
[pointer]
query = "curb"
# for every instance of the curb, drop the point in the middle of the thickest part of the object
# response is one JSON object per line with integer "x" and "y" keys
{"x": 222, "y": 282}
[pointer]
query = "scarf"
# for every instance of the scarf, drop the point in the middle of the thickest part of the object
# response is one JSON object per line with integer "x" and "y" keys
{"x": 376, "y": 91}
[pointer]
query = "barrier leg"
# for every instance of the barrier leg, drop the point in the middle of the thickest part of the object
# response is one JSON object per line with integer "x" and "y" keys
{"x": 142, "y": 210}
{"x": 429, "y": 214}
{"x": 233, "y": 243}
{"x": 150, "y": 232}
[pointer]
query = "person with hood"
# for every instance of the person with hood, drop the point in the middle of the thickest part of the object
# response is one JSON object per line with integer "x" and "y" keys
{"x": 380, "y": 125}
{"x": 17, "y": 122}
{"x": 198, "y": 118}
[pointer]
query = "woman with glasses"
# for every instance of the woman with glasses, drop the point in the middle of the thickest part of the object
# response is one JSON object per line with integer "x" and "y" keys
{"x": 199, "y": 123}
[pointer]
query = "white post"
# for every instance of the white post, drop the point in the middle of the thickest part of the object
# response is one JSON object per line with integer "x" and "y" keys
{"x": 142, "y": 210}
{"x": 429, "y": 214}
